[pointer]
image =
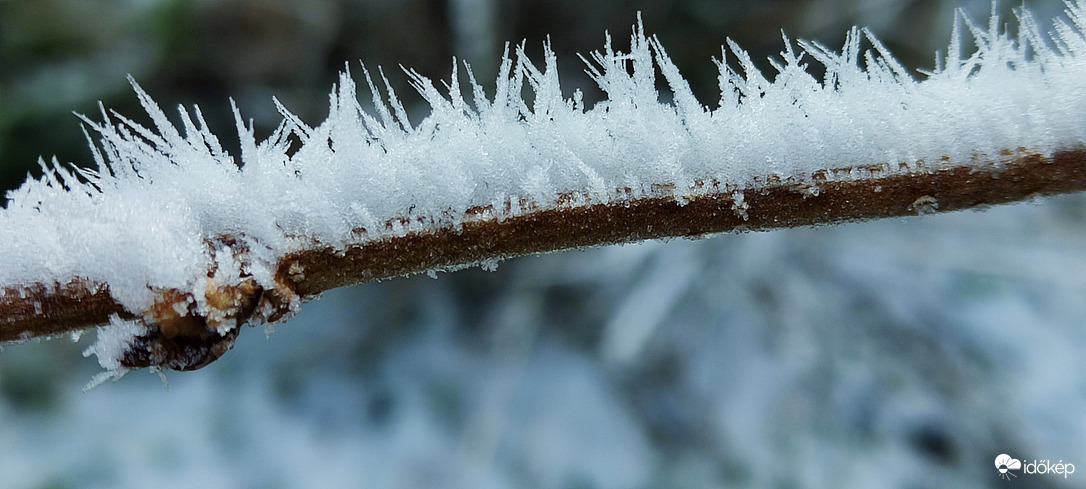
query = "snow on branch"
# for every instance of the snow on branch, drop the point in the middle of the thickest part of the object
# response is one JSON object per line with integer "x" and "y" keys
{"x": 174, "y": 243}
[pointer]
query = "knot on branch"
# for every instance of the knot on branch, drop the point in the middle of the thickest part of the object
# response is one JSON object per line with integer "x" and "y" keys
{"x": 184, "y": 331}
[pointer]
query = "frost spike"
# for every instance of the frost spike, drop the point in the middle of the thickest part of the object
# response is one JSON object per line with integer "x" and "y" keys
{"x": 364, "y": 196}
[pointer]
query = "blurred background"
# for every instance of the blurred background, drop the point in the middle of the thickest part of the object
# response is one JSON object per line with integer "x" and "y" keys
{"x": 902, "y": 354}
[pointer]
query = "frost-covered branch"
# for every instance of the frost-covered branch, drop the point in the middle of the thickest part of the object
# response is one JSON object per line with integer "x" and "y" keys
{"x": 177, "y": 243}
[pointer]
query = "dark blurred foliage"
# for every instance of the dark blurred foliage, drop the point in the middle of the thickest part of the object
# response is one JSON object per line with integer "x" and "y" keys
{"x": 60, "y": 56}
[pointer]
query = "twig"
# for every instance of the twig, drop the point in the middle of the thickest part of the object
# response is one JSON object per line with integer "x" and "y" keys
{"x": 36, "y": 310}
{"x": 369, "y": 197}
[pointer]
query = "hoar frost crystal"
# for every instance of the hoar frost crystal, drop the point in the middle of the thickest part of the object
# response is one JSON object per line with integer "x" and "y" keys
{"x": 158, "y": 226}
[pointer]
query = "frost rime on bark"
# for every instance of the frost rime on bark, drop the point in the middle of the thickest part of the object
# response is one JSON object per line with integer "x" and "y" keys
{"x": 157, "y": 235}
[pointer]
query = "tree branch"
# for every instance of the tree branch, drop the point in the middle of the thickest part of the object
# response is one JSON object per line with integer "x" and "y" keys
{"x": 35, "y": 310}
{"x": 372, "y": 196}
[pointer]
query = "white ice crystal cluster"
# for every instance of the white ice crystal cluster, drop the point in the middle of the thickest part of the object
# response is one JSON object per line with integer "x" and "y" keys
{"x": 110, "y": 346}
{"x": 143, "y": 218}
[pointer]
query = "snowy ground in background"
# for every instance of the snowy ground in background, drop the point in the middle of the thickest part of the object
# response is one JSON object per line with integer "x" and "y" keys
{"x": 899, "y": 353}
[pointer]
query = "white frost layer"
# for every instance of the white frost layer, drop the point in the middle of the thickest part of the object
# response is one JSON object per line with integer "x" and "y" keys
{"x": 142, "y": 219}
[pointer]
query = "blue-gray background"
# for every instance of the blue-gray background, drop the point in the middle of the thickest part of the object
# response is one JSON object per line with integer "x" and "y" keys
{"x": 903, "y": 353}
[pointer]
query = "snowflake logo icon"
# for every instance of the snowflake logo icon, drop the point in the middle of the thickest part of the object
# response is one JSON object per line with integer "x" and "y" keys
{"x": 1005, "y": 464}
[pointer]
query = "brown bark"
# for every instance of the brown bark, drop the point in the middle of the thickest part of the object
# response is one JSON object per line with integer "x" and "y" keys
{"x": 32, "y": 310}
